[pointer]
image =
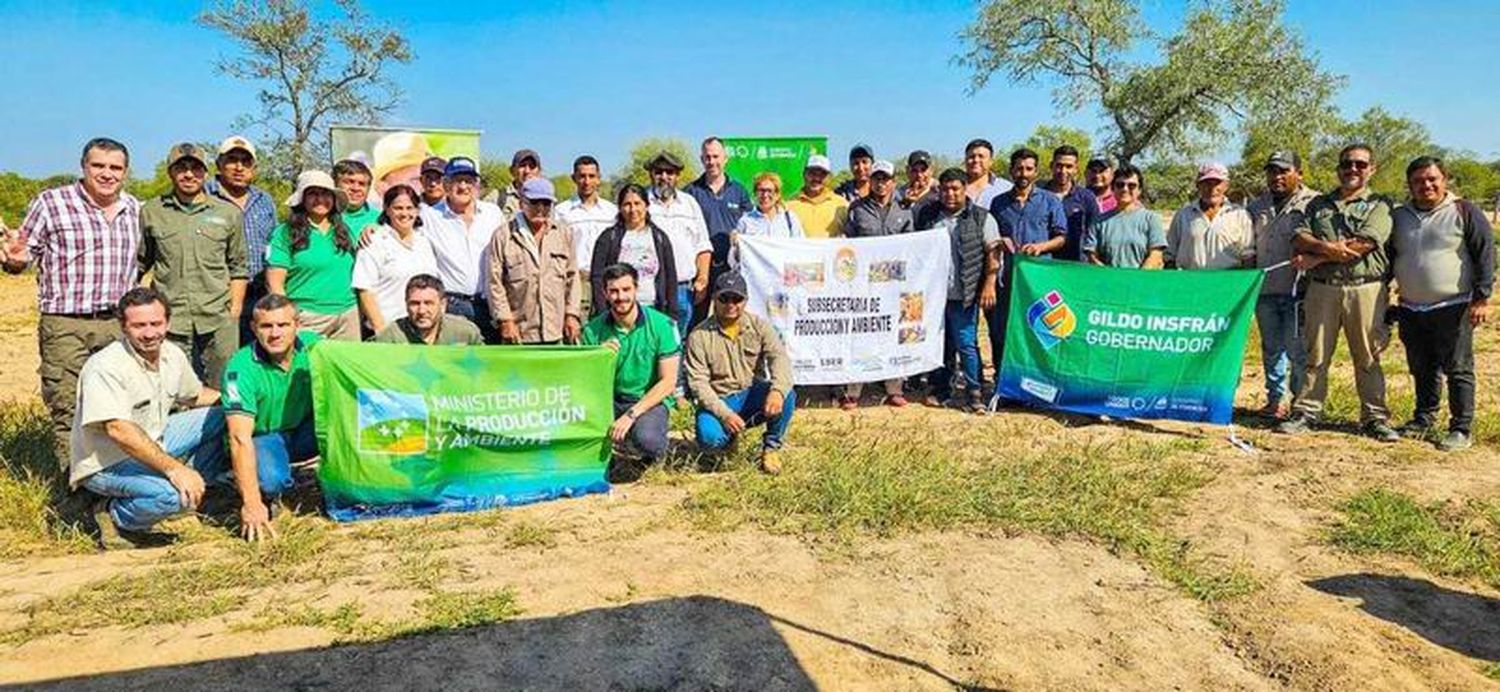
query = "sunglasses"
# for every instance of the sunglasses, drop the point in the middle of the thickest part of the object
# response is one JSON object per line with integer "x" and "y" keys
{"x": 730, "y": 299}
{"x": 1122, "y": 185}
{"x": 1353, "y": 164}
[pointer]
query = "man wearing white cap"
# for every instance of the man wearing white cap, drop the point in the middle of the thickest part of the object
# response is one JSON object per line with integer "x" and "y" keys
{"x": 534, "y": 294}
{"x": 1211, "y": 232}
{"x": 877, "y": 214}
{"x": 234, "y": 184}
{"x": 821, "y": 212}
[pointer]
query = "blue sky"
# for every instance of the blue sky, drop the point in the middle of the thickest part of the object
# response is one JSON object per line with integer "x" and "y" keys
{"x": 568, "y": 78}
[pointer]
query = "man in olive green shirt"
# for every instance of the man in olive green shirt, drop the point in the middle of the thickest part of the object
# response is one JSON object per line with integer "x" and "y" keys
{"x": 427, "y": 321}
{"x": 1340, "y": 243}
{"x": 740, "y": 374}
{"x": 193, "y": 245}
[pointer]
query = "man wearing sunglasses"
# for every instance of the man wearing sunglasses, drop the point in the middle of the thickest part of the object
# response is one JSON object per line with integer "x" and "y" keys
{"x": 1340, "y": 243}
{"x": 739, "y": 373}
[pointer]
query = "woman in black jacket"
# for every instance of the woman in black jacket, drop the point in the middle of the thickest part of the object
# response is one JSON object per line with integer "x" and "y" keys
{"x": 634, "y": 240}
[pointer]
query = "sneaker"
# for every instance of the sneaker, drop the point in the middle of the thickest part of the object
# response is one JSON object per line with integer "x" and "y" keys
{"x": 1273, "y": 410}
{"x": 1296, "y": 425}
{"x": 1415, "y": 428}
{"x": 1382, "y": 431}
{"x": 976, "y": 405}
{"x": 934, "y": 401}
{"x": 848, "y": 403}
{"x": 770, "y": 461}
{"x": 1456, "y": 440}
{"x": 896, "y": 401}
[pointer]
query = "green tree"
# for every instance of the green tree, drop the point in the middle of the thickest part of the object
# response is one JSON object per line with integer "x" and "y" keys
{"x": 1395, "y": 141}
{"x": 1231, "y": 61}
{"x": 1471, "y": 178}
{"x": 634, "y": 170}
{"x": 1044, "y": 139}
{"x": 314, "y": 70}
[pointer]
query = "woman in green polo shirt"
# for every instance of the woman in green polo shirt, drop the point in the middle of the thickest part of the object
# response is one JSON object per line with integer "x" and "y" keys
{"x": 311, "y": 259}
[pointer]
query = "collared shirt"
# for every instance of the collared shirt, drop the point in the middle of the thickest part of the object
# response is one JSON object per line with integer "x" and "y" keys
{"x": 387, "y": 264}
{"x": 996, "y": 187}
{"x": 1196, "y": 242}
{"x": 1107, "y": 201}
{"x": 357, "y": 218}
{"x": 117, "y": 384}
{"x": 84, "y": 261}
{"x": 1367, "y": 216}
{"x": 460, "y": 248}
{"x": 682, "y": 220}
{"x": 653, "y": 339}
{"x": 867, "y": 218}
{"x": 1274, "y": 228}
{"x": 1081, "y": 208}
{"x": 822, "y": 216}
{"x": 279, "y": 400}
{"x": 259, "y": 215}
{"x": 781, "y": 224}
{"x": 193, "y": 251}
{"x": 318, "y": 275}
{"x": 721, "y": 211}
{"x": 1038, "y": 220}
{"x": 720, "y": 364}
{"x": 588, "y": 221}
{"x": 850, "y": 193}
{"x": 916, "y": 205}
{"x": 534, "y": 283}
{"x": 452, "y": 330}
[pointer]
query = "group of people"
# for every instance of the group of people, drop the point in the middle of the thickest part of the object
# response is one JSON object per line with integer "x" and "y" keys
{"x": 219, "y": 333}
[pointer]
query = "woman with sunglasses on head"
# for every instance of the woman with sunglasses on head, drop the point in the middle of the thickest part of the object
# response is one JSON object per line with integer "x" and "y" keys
{"x": 1130, "y": 235}
{"x": 770, "y": 218}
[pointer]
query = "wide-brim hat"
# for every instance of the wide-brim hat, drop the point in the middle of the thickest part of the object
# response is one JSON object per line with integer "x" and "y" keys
{"x": 307, "y": 180}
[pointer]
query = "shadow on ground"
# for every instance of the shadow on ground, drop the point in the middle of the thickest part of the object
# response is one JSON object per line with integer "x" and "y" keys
{"x": 1464, "y": 622}
{"x": 688, "y": 643}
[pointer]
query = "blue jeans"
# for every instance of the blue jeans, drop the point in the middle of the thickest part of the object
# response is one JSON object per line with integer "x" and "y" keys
{"x": 749, "y": 404}
{"x": 1281, "y": 346}
{"x": 141, "y": 496}
{"x": 961, "y": 341}
{"x": 274, "y": 454}
{"x": 685, "y": 309}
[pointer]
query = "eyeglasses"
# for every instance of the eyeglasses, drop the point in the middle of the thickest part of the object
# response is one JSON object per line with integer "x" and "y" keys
{"x": 1122, "y": 185}
{"x": 765, "y": 191}
{"x": 1353, "y": 165}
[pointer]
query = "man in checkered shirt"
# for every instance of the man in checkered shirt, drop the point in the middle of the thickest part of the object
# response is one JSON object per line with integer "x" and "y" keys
{"x": 82, "y": 238}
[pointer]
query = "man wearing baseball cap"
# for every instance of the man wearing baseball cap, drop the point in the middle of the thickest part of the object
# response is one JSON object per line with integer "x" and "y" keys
{"x": 821, "y": 212}
{"x": 1097, "y": 176}
{"x": 877, "y": 214}
{"x": 193, "y": 244}
{"x": 234, "y": 183}
{"x": 534, "y": 294}
{"x": 861, "y": 159}
{"x": 460, "y": 228}
{"x": 740, "y": 374}
{"x": 1211, "y": 232}
{"x": 432, "y": 180}
{"x": 1273, "y": 216}
{"x": 919, "y": 192}
{"x": 525, "y": 164}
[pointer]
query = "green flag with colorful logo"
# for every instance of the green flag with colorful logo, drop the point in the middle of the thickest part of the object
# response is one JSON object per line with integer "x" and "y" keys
{"x": 784, "y": 156}
{"x": 1128, "y": 343}
{"x": 408, "y": 429}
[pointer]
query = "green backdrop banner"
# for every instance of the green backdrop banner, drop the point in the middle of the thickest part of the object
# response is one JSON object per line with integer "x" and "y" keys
{"x": 784, "y": 156}
{"x": 1129, "y": 343}
{"x": 407, "y": 429}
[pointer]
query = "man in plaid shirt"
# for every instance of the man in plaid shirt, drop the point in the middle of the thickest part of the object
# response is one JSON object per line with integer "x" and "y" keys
{"x": 236, "y": 164}
{"x": 82, "y": 238}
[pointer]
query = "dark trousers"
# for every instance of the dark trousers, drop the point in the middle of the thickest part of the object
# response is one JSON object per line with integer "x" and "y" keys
{"x": 254, "y": 291}
{"x": 648, "y": 434}
{"x": 1440, "y": 343}
{"x": 996, "y": 317}
{"x": 477, "y": 310}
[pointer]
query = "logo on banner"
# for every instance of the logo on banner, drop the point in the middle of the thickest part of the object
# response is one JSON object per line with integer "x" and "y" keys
{"x": 845, "y": 265}
{"x": 391, "y": 422}
{"x": 1051, "y": 319}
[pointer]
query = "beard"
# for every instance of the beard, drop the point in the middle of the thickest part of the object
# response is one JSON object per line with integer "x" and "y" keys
{"x": 664, "y": 192}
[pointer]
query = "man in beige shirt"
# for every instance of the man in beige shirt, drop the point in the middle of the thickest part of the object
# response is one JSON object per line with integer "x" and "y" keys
{"x": 126, "y": 446}
{"x": 740, "y": 374}
{"x": 534, "y": 294}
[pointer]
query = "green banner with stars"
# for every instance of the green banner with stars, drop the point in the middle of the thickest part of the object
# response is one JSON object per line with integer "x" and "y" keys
{"x": 409, "y": 430}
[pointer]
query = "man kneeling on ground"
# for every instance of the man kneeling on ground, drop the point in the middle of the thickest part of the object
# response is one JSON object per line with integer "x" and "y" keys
{"x": 427, "y": 320}
{"x": 126, "y": 446}
{"x": 647, "y": 353}
{"x": 740, "y": 373}
{"x": 268, "y": 410}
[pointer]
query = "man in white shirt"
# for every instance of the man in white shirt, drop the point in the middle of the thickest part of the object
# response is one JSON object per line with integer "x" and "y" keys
{"x": 680, "y": 217}
{"x": 460, "y": 229}
{"x": 1211, "y": 232}
{"x": 588, "y": 214}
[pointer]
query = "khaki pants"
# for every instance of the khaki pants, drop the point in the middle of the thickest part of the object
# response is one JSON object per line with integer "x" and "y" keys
{"x": 64, "y": 343}
{"x": 1358, "y": 312}
{"x": 210, "y": 351}
{"x": 343, "y": 326}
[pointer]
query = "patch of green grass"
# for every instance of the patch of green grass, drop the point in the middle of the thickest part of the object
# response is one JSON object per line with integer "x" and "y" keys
{"x": 343, "y": 620}
{"x": 436, "y": 612}
{"x": 31, "y": 486}
{"x": 1456, "y": 541}
{"x": 447, "y": 610}
{"x": 1116, "y": 493}
{"x": 528, "y": 534}
{"x": 422, "y": 569}
{"x": 1491, "y": 671}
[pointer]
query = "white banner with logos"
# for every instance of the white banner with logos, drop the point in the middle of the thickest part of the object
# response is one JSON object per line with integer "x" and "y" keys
{"x": 852, "y": 309}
